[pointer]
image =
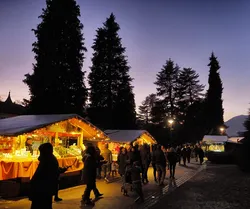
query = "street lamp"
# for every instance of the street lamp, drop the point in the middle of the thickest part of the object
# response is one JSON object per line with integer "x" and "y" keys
{"x": 171, "y": 121}
{"x": 222, "y": 129}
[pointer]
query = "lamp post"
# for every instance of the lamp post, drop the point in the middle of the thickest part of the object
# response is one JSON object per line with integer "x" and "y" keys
{"x": 171, "y": 121}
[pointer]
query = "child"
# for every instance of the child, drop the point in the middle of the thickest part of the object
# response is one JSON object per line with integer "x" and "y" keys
{"x": 114, "y": 168}
{"x": 135, "y": 171}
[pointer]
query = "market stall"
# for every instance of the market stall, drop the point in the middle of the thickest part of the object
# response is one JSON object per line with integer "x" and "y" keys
{"x": 21, "y": 136}
{"x": 213, "y": 143}
{"x": 123, "y": 138}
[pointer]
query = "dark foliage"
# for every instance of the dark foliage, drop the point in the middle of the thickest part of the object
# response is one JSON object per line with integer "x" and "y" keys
{"x": 189, "y": 90}
{"x": 166, "y": 81}
{"x": 214, "y": 109}
{"x": 193, "y": 128}
{"x": 243, "y": 154}
{"x": 112, "y": 102}
{"x": 57, "y": 82}
{"x": 145, "y": 109}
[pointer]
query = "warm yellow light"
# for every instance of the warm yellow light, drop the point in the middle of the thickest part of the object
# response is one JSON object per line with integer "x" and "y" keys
{"x": 98, "y": 135}
{"x": 170, "y": 121}
{"x": 222, "y": 129}
{"x": 74, "y": 132}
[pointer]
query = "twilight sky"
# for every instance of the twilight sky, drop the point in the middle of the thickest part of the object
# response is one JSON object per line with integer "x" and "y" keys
{"x": 186, "y": 31}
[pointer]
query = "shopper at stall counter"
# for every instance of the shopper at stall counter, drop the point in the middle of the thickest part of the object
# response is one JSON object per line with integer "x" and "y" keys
{"x": 45, "y": 180}
{"x": 28, "y": 145}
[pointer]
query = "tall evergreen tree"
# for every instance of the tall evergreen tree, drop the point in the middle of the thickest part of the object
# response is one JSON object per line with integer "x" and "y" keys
{"x": 112, "y": 102}
{"x": 214, "y": 108}
{"x": 145, "y": 109}
{"x": 189, "y": 90}
{"x": 57, "y": 82}
{"x": 166, "y": 81}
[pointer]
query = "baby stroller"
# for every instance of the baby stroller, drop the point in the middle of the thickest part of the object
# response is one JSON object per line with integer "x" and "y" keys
{"x": 127, "y": 181}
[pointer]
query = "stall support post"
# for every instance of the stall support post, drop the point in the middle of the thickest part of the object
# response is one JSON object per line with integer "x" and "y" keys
{"x": 56, "y": 138}
{"x": 80, "y": 140}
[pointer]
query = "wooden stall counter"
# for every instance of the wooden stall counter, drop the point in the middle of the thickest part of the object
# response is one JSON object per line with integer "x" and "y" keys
{"x": 25, "y": 168}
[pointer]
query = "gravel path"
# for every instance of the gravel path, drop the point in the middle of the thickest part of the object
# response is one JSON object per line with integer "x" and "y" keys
{"x": 216, "y": 187}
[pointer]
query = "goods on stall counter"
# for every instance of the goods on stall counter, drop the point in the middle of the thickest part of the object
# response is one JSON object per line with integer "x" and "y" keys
{"x": 55, "y": 153}
{"x": 72, "y": 151}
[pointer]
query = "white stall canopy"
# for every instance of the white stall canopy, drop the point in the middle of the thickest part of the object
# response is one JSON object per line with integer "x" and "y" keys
{"x": 213, "y": 139}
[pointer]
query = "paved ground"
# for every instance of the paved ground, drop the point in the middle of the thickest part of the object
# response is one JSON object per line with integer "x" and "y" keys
{"x": 216, "y": 187}
{"x": 113, "y": 197}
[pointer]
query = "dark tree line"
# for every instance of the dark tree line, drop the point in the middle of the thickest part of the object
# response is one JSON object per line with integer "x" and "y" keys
{"x": 112, "y": 103}
{"x": 57, "y": 83}
{"x": 180, "y": 97}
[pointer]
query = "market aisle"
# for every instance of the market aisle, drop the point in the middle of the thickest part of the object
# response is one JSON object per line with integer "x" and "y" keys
{"x": 113, "y": 197}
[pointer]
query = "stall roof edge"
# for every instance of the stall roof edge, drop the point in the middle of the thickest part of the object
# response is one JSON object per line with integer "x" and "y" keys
{"x": 26, "y": 123}
{"x": 125, "y": 136}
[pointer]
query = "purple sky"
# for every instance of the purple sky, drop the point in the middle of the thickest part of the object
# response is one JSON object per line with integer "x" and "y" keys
{"x": 152, "y": 31}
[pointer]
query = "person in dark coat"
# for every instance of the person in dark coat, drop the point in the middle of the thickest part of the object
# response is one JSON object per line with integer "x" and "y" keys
{"x": 89, "y": 175}
{"x": 99, "y": 161}
{"x": 160, "y": 162}
{"x": 196, "y": 152}
{"x": 44, "y": 183}
{"x": 122, "y": 161}
{"x": 132, "y": 155}
{"x": 178, "y": 151}
{"x": 184, "y": 155}
{"x": 188, "y": 149}
{"x": 201, "y": 155}
{"x": 145, "y": 161}
{"x": 153, "y": 161}
{"x": 172, "y": 159}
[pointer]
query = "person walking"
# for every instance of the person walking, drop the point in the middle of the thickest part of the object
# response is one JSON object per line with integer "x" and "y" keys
{"x": 145, "y": 161}
{"x": 153, "y": 161}
{"x": 89, "y": 176}
{"x": 108, "y": 159}
{"x": 134, "y": 171}
{"x": 99, "y": 161}
{"x": 44, "y": 183}
{"x": 201, "y": 155}
{"x": 60, "y": 171}
{"x": 122, "y": 161}
{"x": 178, "y": 151}
{"x": 188, "y": 150}
{"x": 172, "y": 159}
{"x": 160, "y": 162}
{"x": 184, "y": 155}
{"x": 196, "y": 153}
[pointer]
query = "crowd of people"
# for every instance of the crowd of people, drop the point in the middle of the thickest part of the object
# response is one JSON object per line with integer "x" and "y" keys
{"x": 132, "y": 165}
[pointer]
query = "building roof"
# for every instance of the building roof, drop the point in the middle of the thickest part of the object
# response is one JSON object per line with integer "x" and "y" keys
{"x": 214, "y": 139}
{"x": 235, "y": 139}
{"x": 9, "y": 107}
{"x": 126, "y": 136}
{"x": 27, "y": 123}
